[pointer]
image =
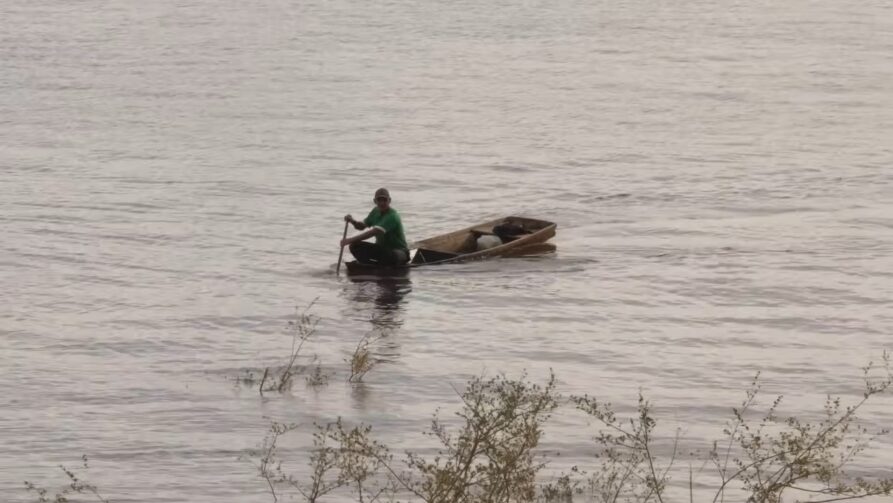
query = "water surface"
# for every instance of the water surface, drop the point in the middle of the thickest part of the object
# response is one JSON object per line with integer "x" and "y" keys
{"x": 175, "y": 172}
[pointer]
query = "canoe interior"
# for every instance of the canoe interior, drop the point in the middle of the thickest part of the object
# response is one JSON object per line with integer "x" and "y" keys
{"x": 462, "y": 244}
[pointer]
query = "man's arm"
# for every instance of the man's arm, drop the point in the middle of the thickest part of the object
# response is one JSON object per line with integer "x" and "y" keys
{"x": 356, "y": 223}
{"x": 374, "y": 231}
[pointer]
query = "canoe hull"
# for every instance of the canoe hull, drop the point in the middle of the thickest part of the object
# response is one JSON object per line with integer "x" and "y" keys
{"x": 460, "y": 246}
{"x": 357, "y": 269}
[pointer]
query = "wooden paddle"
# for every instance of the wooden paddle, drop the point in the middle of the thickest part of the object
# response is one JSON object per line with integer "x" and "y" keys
{"x": 341, "y": 253}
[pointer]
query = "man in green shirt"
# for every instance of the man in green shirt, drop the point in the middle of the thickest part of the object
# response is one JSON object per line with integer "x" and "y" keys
{"x": 384, "y": 223}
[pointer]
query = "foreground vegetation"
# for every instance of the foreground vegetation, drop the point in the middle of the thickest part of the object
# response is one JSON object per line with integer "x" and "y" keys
{"x": 488, "y": 453}
{"x": 490, "y": 456}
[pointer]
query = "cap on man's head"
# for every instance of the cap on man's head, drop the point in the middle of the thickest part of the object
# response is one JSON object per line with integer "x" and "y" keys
{"x": 382, "y": 192}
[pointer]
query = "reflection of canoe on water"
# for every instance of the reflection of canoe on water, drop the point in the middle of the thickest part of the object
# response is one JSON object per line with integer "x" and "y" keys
{"x": 517, "y": 236}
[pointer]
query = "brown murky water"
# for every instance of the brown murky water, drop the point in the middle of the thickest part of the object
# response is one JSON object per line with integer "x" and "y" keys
{"x": 174, "y": 174}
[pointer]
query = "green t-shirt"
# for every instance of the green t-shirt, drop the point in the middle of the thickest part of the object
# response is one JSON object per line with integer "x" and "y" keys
{"x": 393, "y": 237}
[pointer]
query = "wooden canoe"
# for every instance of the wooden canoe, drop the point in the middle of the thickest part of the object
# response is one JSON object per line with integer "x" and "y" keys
{"x": 461, "y": 245}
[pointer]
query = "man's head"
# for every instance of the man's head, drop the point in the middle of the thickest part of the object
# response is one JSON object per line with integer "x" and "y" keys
{"x": 382, "y": 199}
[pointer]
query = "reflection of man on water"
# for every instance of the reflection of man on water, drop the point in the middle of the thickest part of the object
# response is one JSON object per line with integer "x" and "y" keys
{"x": 383, "y": 299}
{"x": 384, "y": 223}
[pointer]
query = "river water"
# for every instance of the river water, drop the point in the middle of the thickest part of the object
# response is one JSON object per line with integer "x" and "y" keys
{"x": 174, "y": 175}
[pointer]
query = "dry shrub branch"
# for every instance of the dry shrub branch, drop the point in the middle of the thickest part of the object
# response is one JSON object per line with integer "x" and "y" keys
{"x": 76, "y": 486}
{"x": 761, "y": 457}
{"x": 302, "y": 329}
